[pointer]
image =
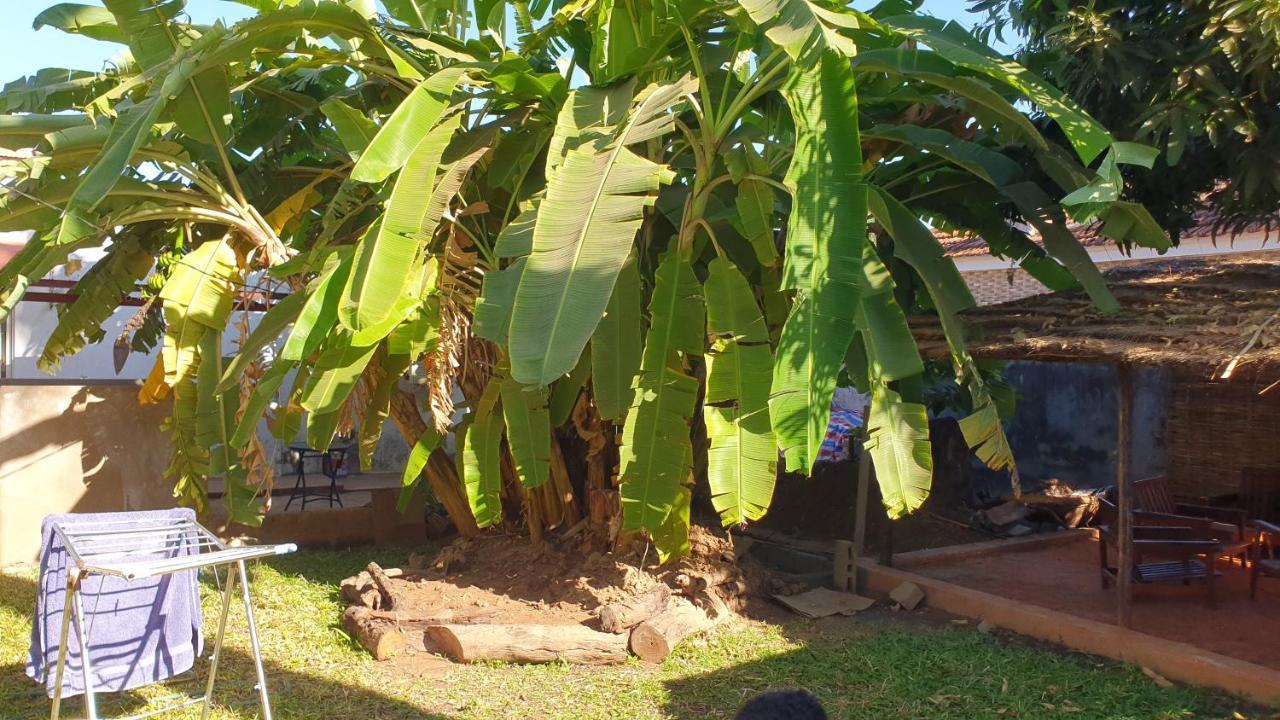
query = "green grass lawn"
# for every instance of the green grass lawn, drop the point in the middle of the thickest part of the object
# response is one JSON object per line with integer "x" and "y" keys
{"x": 879, "y": 665}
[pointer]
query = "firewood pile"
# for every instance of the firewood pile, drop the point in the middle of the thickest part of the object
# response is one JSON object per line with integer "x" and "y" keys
{"x": 675, "y": 604}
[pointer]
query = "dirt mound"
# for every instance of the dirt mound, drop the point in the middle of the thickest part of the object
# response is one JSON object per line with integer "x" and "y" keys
{"x": 507, "y": 579}
{"x": 501, "y": 597}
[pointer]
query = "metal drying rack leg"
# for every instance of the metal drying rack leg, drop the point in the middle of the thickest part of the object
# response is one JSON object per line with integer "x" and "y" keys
{"x": 217, "y": 642}
{"x": 253, "y": 642}
{"x": 72, "y": 582}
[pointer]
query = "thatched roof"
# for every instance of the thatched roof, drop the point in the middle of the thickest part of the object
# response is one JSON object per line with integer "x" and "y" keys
{"x": 1194, "y": 314}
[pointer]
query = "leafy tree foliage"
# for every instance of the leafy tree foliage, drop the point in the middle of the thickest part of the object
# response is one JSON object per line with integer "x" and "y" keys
{"x": 661, "y": 230}
{"x": 1198, "y": 79}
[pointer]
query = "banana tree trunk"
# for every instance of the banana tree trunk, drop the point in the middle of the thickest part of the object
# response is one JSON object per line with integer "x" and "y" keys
{"x": 440, "y": 472}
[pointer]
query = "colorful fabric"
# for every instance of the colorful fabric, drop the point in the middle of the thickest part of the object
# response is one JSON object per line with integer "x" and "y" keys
{"x": 835, "y": 446}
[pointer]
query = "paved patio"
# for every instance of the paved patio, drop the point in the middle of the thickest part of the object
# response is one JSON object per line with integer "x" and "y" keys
{"x": 1064, "y": 576}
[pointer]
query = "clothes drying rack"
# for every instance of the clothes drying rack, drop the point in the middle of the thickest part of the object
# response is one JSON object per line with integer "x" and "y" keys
{"x": 144, "y": 548}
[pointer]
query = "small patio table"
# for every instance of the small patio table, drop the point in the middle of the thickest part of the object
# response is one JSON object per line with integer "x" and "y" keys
{"x": 331, "y": 461}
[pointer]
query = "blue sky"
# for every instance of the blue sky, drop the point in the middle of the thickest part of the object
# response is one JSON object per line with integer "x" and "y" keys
{"x": 26, "y": 50}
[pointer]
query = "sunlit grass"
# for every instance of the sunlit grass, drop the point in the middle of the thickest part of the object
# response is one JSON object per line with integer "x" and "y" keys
{"x": 876, "y": 666}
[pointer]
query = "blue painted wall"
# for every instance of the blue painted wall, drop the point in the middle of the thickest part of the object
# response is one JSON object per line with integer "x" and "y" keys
{"x": 1065, "y": 424}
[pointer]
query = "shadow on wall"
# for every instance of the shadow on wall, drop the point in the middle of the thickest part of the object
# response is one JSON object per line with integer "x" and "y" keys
{"x": 293, "y": 694}
{"x": 75, "y": 449}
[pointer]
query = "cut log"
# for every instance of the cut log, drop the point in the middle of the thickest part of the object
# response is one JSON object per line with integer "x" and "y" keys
{"x": 655, "y": 638}
{"x": 382, "y": 581}
{"x": 382, "y": 639}
{"x": 692, "y": 582}
{"x": 622, "y": 616}
{"x": 576, "y": 644}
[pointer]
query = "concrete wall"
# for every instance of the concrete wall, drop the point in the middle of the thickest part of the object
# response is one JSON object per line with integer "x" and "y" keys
{"x": 75, "y": 448}
{"x": 1065, "y": 423}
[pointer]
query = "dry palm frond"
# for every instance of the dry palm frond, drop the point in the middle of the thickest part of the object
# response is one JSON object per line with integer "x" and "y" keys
{"x": 459, "y": 360}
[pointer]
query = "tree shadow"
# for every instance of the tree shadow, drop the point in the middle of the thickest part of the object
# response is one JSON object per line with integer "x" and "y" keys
{"x": 294, "y": 694}
{"x": 877, "y": 665}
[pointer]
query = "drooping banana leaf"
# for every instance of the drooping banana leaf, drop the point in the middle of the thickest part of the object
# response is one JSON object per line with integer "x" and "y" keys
{"x": 742, "y": 458}
{"x": 656, "y": 455}
{"x": 493, "y": 309}
{"x": 525, "y": 412}
{"x": 203, "y": 106}
{"x": 804, "y": 28}
{"x": 320, "y": 311}
{"x": 615, "y": 348}
{"x": 97, "y": 295}
{"x": 215, "y": 424}
{"x": 825, "y": 237}
{"x": 482, "y": 458}
{"x": 89, "y": 20}
{"x": 565, "y": 393}
{"x": 890, "y": 347}
{"x": 418, "y": 456}
{"x": 594, "y": 206}
{"x": 378, "y": 273}
{"x": 354, "y": 129}
{"x": 404, "y": 130}
{"x": 264, "y": 393}
{"x": 927, "y": 66}
{"x": 951, "y": 41}
{"x": 898, "y": 440}
{"x": 754, "y": 202}
{"x": 671, "y": 539}
{"x": 334, "y": 374}
{"x": 198, "y": 297}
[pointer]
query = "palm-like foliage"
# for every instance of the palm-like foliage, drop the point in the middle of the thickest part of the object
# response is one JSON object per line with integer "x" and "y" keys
{"x": 727, "y": 211}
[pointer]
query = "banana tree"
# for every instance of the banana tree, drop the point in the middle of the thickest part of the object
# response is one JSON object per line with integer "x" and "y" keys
{"x": 628, "y": 248}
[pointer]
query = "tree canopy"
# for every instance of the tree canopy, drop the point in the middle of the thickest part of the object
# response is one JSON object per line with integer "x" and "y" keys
{"x": 1198, "y": 79}
{"x": 656, "y": 233}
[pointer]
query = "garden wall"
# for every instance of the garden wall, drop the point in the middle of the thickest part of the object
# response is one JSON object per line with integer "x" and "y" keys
{"x": 75, "y": 448}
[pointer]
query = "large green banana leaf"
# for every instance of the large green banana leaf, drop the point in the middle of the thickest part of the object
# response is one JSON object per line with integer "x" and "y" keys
{"x": 804, "y": 28}
{"x": 952, "y": 42}
{"x": 378, "y": 274}
{"x": 890, "y": 347}
{"x": 320, "y": 311}
{"x": 335, "y": 372}
{"x": 528, "y": 421}
{"x": 91, "y": 21}
{"x": 985, "y": 103}
{"x": 826, "y": 233}
{"x": 97, "y": 295}
{"x": 418, "y": 456}
{"x": 742, "y": 458}
{"x": 656, "y": 455}
{"x": 586, "y": 225}
{"x": 482, "y": 458}
{"x": 198, "y": 297}
{"x": 616, "y": 346}
{"x": 203, "y": 108}
{"x": 898, "y": 440}
{"x": 404, "y": 130}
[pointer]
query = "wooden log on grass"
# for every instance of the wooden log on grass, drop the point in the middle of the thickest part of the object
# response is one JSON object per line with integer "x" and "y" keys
{"x": 382, "y": 639}
{"x": 381, "y": 580}
{"x": 576, "y": 644}
{"x": 622, "y": 616}
{"x": 655, "y": 638}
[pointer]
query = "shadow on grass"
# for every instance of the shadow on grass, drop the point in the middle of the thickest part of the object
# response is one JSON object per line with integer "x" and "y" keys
{"x": 890, "y": 669}
{"x": 293, "y": 694}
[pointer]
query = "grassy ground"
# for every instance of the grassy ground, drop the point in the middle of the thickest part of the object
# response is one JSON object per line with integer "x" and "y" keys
{"x": 879, "y": 665}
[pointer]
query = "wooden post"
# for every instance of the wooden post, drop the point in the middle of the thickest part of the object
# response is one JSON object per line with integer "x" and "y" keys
{"x": 860, "y": 516}
{"x": 1124, "y": 490}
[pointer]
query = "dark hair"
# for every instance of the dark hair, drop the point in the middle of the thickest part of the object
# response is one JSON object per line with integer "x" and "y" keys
{"x": 782, "y": 705}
